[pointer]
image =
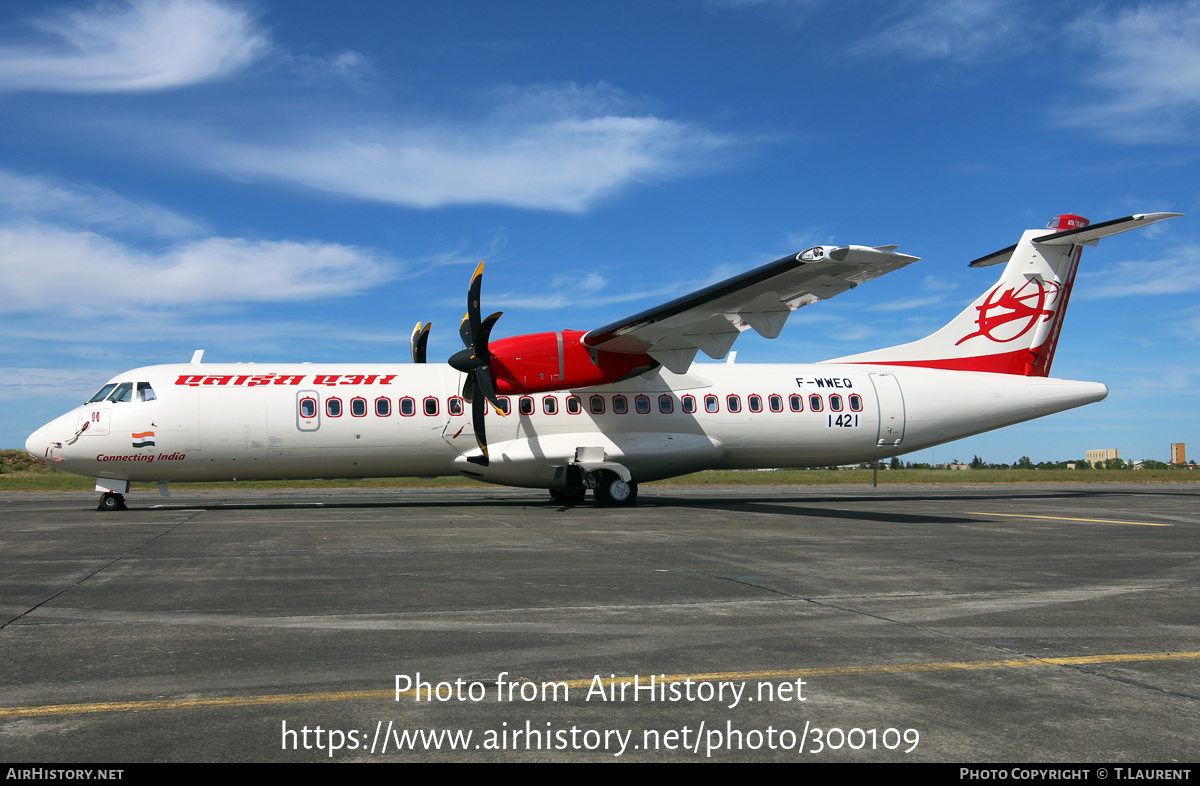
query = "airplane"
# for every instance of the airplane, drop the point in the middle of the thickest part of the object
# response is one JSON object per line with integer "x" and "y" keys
{"x": 606, "y": 409}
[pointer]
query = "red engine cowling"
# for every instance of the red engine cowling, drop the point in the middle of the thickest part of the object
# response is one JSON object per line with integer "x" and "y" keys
{"x": 539, "y": 362}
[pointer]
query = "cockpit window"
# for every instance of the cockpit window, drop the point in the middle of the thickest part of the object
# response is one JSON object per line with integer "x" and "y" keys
{"x": 102, "y": 393}
{"x": 145, "y": 392}
{"x": 124, "y": 392}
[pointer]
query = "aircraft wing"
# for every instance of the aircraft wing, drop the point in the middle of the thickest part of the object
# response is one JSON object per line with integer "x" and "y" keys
{"x": 712, "y": 318}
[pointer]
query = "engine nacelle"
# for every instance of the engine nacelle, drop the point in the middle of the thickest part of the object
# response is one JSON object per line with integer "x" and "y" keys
{"x": 539, "y": 362}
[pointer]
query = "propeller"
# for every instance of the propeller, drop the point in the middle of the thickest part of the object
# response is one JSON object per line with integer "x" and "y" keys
{"x": 473, "y": 361}
{"x": 420, "y": 338}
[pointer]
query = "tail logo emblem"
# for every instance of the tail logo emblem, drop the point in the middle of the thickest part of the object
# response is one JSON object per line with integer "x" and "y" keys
{"x": 1015, "y": 310}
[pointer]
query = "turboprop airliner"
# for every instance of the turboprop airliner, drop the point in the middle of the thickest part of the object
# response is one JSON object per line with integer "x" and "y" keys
{"x": 607, "y": 409}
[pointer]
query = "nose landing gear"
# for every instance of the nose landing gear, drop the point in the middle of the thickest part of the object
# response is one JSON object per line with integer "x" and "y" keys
{"x": 110, "y": 500}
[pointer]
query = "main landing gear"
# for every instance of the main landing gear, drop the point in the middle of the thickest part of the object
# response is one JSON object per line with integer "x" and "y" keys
{"x": 610, "y": 490}
{"x": 110, "y": 500}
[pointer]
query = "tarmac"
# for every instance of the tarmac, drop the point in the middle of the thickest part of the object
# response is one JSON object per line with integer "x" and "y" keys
{"x": 950, "y": 623}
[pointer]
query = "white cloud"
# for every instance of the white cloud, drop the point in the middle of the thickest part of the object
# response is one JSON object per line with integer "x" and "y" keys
{"x": 1149, "y": 65}
{"x": 46, "y": 269}
{"x": 964, "y": 30}
{"x": 135, "y": 46}
{"x": 43, "y": 198}
{"x": 1176, "y": 274}
{"x": 546, "y": 148}
{"x": 25, "y": 384}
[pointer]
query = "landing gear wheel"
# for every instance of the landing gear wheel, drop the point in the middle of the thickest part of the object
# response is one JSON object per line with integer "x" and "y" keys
{"x": 110, "y": 500}
{"x": 569, "y": 495}
{"x": 611, "y": 491}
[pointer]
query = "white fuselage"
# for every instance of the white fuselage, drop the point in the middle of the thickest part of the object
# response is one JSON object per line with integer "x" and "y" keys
{"x": 220, "y": 422}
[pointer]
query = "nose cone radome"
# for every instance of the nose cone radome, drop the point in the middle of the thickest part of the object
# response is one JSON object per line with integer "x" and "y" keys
{"x": 38, "y": 444}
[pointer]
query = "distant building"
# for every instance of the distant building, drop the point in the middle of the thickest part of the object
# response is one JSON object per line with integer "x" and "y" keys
{"x": 1178, "y": 453}
{"x": 1095, "y": 457}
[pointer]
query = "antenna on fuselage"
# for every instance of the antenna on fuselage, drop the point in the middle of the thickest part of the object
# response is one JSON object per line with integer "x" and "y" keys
{"x": 197, "y": 356}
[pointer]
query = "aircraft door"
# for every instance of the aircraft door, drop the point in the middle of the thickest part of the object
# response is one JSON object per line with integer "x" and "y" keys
{"x": 891, "y": 409}
{"x": 308, "y": 410}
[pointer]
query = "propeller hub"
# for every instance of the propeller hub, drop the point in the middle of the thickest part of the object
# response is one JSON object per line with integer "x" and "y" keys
{"x": 465, "y": 361}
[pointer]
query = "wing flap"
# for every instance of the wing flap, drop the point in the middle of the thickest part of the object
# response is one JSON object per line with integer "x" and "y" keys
{"x": 711, "y": 319}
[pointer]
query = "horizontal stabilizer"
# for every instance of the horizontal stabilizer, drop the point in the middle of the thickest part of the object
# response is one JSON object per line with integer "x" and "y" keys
{"x": 1083, "y": 236}
{"x": 1089, "y": 235}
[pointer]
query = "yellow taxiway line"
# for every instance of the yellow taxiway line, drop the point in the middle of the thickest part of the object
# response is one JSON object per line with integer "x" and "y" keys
{"x": 1068, "y": 518}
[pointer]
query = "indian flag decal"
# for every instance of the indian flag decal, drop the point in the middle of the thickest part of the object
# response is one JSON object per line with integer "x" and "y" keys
{"x": 143, "y": 439}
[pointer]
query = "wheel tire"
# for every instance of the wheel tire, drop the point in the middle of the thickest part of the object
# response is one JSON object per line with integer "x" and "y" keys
{"x": 611, "y": 491}
{"x": 110, "y": 501}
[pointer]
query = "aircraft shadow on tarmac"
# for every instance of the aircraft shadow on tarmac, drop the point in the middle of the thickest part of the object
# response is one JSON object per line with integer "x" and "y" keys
{"x": 798, "y": 504}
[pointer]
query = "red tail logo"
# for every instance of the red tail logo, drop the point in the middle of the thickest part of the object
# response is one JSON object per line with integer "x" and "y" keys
{"x": 1013, "y": 313}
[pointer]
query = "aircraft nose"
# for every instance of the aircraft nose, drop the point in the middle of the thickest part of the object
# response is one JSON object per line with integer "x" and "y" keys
{"x": 37, "y": 444}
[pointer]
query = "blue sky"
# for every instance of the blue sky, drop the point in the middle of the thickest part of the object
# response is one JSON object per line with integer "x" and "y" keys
{"x": 279, "y": 181}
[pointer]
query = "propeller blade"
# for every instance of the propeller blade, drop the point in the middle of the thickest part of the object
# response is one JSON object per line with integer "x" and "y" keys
{"x": 473, "y": 299}
{"x": 485, "y": 330}
{"x": 487, "y": 391}
{"x": 418, "y": 342}
{"x": 464, "y": 330}
{"x": 473, "y": 361}
{"x": 478, "y": 412}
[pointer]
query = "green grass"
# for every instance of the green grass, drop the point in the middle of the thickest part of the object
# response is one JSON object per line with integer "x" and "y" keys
{"x": 19, "y": 472}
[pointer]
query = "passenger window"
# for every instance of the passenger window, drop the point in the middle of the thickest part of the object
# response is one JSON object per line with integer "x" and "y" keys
{"x": 666, "y": 404}
{"x": 733, "y": 403}
{"x": 454, "y": 406}
{"x": 574, "y": 405}
{"x": 358, "y": 407}
{"x": 855, "y": 402}
{"x": 815, "y": 403}
{"x": 308, "y": 407}
{"x": 755, "y": 403}
{"x": 431, "y": 406}
{"x": 526, "y": 405}
{"x": 620, "y": 405}
{"x": 333, "y": 407}
{"x": 505, "y": 404}
{"x": 835, "y": 403}
{"x": 408, "y": 407}
{"x": 775, "y": 402}
{"x": 643, "y": 404}
{"x": 711, "y": 404}
{"x": 550, "y": 405}
{"x": 796, "y": 402}
{"x": 145, "y": 392}
{"x": 688, "y": 403}
{"x": 383, "y": 407}
{"x": 596, "y": 403}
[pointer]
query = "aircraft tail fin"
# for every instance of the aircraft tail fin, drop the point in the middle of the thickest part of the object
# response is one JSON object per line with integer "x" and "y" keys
{"x": 1013, "y": 328}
